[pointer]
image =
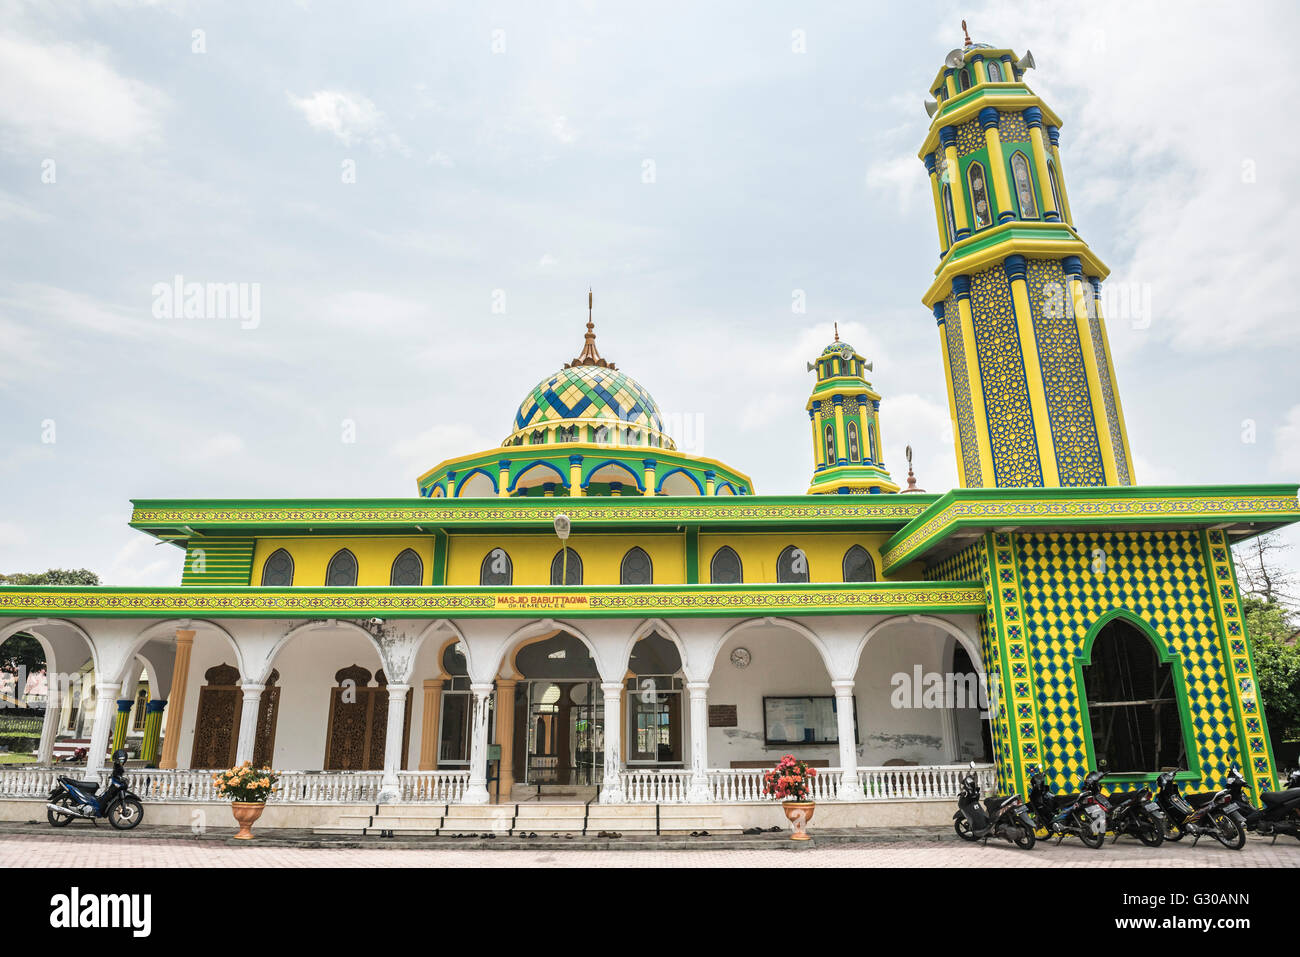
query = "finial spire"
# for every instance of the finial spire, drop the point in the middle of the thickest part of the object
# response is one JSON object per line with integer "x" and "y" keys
{"x": 589, "y": 356}
{"x": 965, "y": 31}
{"x": 911, "y": 477}
{"x": 837, "y": 332}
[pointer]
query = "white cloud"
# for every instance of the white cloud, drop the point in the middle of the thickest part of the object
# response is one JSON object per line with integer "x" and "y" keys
{"x": 222, "y": 445}
{"x": 63, "y": 93}
{"x": 353, "y": 119}
{"x": 12, "y": 534}
{"x": 423, "y": 451}
{"x": 926, "y": 426}
{"x": 141, "y": 560}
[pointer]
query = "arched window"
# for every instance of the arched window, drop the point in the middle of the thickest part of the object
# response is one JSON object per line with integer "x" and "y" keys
{"x": 566, "y": 571}
{"x": 342, "y": 570}
{"x": 979, "y": 195}
{"x": 277, "y": 572}
{"x": 496, "y": 569}
{"x": 725, "y": 567}
{"x": 792, "y": 565}
{"x": 855, "y": 448}
{"x": 535, "y": 438}
{"x": 995, "y": 71}
{"x": 830, "y": 444}
{"x": 948, "y": 219}
{"x": 407, "y": 569}
{"x": 858, "y": 566}
{"x": 636, "y": 568}
{"x": 1132, "y": 703}
{"x": 1024, "y": 185}
{"x": 602, "y": 435}
{"x": 963, "y": 79}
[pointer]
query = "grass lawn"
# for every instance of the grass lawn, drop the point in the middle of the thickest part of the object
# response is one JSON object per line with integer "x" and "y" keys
{"x": 17, "y": 759}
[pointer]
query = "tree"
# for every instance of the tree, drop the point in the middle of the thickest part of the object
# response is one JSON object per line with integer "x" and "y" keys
{"x": 1262, "y": 567}
{"x": 24, "y": 651}
{"x": 1277, "y": 666}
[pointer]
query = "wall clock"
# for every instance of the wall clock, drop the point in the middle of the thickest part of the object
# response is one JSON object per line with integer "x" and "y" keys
{"x": 740, "y": 657}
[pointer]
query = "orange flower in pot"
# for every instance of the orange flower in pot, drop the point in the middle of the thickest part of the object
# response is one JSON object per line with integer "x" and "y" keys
{"x": 791, "y": 783}
{"x": 248, "y": 789}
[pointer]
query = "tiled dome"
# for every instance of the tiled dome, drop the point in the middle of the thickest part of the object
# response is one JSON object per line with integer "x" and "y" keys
{"x": 589, "y": 394}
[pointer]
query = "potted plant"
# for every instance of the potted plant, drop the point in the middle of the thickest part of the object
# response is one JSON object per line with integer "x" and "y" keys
{"x": 791, "y": 783}
{"x": 248, "y": 788}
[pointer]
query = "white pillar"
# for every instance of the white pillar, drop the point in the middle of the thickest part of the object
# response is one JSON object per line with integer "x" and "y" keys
{"x": 50, "y": 727}
{"x": 699, "y": 788}
{"x": 391, "y": 790}
{"x": 476, "y": 792}
{"x": 611, "y": 789}
{"x": 105, "y": 709}
{"x": 248, "y": 715}
{"x": 850, "y": 789}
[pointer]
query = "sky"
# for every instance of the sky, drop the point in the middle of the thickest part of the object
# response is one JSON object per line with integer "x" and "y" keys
{"x": 414, "y": 198}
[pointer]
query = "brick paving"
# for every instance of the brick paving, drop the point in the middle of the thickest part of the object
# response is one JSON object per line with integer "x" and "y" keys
{"x": 73, "y": 850}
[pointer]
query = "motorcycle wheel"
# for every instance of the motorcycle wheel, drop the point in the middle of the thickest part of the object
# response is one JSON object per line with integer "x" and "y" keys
{"x": 1023, "y": 836}
{"x": 54, "y": 817}
{"x": 1088, "y": 836}
{"x": 1151, "y": 835}
{"x": 126, "y": 813}
{"x": 962, "y": 827}
{"x": 1229, "y": 833}
{"x": 1173, "y": 832}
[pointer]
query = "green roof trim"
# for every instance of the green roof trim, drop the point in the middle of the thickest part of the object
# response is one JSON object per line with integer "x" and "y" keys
{"x": 963, "y": 511}
{"x": 482, "y": 602}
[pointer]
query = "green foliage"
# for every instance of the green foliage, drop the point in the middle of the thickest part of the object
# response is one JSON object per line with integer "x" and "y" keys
{"x": 1277, "y": 665}
{"x": 53, "y": 576}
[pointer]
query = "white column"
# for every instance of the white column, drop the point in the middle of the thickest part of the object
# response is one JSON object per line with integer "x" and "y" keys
{"x": 476, "y": 792}
{"x": 611, "y": 789}
{"x": 50, "y": 727}
{"x": 850, "y": 789}
{"x": 247, "y": 744}
{"x": 391, "y": 790}
{"x": 699, "y": 787}
{"x": 105, "y": 709}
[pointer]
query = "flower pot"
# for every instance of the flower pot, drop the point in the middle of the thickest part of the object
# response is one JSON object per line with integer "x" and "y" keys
{"x": 799, "y": 813}
{"x": 246, "y": 812}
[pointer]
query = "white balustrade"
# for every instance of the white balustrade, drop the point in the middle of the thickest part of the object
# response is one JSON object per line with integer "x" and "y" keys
{"x": 656, "y": 786}
{"x": 648, "y": 786}
{"x": 921, "y": 782}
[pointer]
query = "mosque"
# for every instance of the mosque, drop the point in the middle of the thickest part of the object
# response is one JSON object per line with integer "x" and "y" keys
{"x": 586, "y": 618}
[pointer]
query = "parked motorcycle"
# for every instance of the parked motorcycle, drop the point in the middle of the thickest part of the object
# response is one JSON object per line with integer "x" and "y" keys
{"x": 1138, "y": 814}
{"x": 1082, "y": 814}
{"x": 1218, "y": 815}
{"x": 1280, "y": 811}
{"x": 1004, "y": 816}
{"x": 82, "y": 799}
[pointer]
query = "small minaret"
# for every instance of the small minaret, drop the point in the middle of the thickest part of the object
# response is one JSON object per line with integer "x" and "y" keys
{"x": 1017, "y": 294}
{"x": 844, "y": 412}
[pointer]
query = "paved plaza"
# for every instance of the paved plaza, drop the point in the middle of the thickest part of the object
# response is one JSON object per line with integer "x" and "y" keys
{"x": 74, "y": 850}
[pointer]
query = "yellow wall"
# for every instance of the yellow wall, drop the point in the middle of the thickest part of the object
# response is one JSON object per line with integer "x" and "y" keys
{"x": 758, "y": 552}
{"x": 311, "y": 555}
{"x": 602, "y": 556}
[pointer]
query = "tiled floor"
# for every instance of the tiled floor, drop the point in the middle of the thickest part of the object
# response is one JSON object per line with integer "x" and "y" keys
{"x": 84, "y": 850}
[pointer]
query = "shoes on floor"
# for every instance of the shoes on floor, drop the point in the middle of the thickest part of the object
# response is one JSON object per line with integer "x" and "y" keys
{"x": 752, "y": 830}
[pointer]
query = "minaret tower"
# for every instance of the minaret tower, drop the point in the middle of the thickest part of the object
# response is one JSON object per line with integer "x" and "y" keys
{"x": 844, "y": 412}
{"x": 1017, "y": 294}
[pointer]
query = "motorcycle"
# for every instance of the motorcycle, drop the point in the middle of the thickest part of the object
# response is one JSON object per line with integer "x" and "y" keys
{"x": 1004, "y": 816}
{"x": 1280, "y": 813}
{"x": 82, "y": 799}
{"x": 1218, "y": 815}
{"x": 1083, "y": 814}
{"x": 1138, "y": 814}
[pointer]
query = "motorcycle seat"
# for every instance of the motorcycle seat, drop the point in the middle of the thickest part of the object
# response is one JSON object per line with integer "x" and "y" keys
{"x": 993, "y": 803}
{"x": 1280, "y": 797}
{"x": 89, "y": 787}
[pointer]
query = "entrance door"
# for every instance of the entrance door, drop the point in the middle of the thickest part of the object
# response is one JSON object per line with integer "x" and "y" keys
{"x": 565, "y": 731}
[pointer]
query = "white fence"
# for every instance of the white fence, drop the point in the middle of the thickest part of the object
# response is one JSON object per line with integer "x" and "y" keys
{"x": 668, "y": 786}
{"x": 294, "y": 787}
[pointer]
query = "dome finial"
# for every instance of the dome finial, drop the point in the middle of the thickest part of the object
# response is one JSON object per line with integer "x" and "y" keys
{"x": 965, "y": 31}
{"x": 589, "y": 356}
{"x": 837, "y": 332}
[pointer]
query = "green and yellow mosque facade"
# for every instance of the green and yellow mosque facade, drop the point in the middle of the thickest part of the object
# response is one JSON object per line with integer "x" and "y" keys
{"x": 587, "y": 606}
